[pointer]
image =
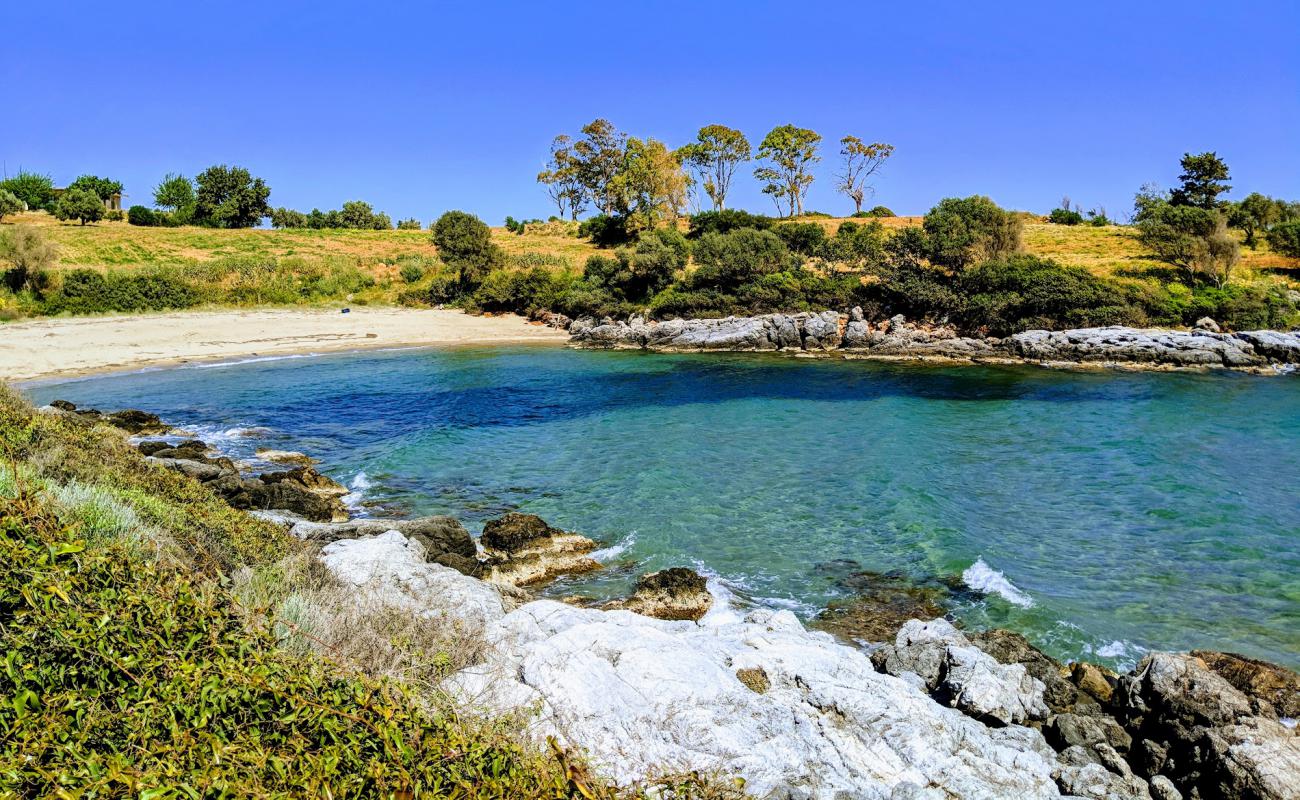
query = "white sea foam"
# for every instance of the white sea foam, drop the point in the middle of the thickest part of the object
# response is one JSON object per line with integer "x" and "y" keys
{"x": 359, "y": 484}
{"x": 607, "y": 554}
{"x": 1289, "y": 722}
{"x": 983, "y": 578}
{"x": 251, "y": 360}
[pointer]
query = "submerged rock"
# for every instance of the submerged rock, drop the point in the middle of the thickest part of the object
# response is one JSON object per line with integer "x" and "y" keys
{"x": 881, "y": 605}
{"x": 676, "y": 593}
{"x": 641, "y": 695}
{"x": 285, "y": 457}
{"x": 522, "y": 549}
{"x": 135, "y": 421}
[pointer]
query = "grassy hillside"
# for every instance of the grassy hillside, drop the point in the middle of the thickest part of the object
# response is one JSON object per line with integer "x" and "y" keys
{"x": 189, "y": 266}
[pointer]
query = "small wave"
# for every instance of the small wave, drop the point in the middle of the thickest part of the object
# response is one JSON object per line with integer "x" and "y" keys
{"x": 359, "y": 484}
{"x": 252, "y": 360}
{"x": 1289, "y": 722}
{"x": 607, "y": 554}
{"x": 983, "y": 578}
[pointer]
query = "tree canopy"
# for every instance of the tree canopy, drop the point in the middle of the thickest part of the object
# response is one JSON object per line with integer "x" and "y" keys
{"x": 230, "y": 197}
{"x": 103, "y": 188}
{"x": 715, "y": 154}
{"x": 790, "y": 153}
{"x": 861, "y": 161}
{"x": 1203, "y": 180}
{"x": 82, "y": 205}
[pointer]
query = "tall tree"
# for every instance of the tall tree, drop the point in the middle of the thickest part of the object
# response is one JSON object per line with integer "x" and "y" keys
{"x": 1256, "y": 214}
{"x": 1202, "y": 181}
{"x": 103, "y": 188}
{"x": 861, "y": 161}
{"x": 790, "y": 153}
{"x": 650, "y": 186}
{"x": 230, "y": 197}
{"x": 563, "y": 179}
{"x": 174, "y": 193}
{"x": 715, "y": 154}
{"x": 599, "y": 155}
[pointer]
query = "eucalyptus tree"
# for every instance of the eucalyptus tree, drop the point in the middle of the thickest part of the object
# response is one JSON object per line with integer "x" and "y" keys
{"x": 715, "y": 154}
{"x": 789, "y": 153}
{"x": 861, "y": 161}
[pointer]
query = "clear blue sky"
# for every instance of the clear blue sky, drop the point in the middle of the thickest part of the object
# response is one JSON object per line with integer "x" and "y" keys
{"x": 432, "y": 106}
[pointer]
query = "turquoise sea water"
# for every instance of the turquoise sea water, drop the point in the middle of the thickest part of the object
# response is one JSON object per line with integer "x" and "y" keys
{"x": 1124, "y": 511}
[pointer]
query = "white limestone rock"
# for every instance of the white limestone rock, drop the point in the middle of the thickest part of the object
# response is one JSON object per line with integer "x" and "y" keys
{"x": 641, "y": 695}
{"x": 390, "y": 570}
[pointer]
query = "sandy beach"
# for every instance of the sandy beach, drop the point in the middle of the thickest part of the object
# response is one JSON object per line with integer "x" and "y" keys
{"x": 45, "y": 348}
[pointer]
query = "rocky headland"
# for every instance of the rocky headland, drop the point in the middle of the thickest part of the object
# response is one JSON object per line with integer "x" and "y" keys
{"x": 896, "y": 703}
{"x": 851, "y": 335}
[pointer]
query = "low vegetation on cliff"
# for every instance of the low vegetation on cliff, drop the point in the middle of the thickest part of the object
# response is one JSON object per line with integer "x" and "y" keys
{"x": 132, "y": 665}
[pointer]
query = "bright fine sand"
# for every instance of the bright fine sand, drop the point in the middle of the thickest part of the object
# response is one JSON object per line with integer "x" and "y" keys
{"x": 48, "y": 347}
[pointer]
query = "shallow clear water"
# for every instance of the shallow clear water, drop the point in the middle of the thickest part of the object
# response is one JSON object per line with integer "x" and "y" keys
{"x": 1130, "y": 510}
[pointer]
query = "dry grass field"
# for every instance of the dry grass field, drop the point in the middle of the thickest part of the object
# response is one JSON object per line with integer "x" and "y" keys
{"x": 1111, "y": 251}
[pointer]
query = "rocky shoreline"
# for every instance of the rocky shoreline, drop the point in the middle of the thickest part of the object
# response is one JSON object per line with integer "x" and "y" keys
{"x": 851, "y": 335}
{"x": 905, "y": 705}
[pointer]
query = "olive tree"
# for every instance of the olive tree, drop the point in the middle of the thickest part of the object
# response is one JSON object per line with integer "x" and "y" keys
{"x": 82, "y": 205}
{"x": 10, "y": 204}
{"x": 27, "y": 257}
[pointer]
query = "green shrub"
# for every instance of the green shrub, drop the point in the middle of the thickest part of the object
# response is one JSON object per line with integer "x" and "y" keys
{"x": 10, "y": 204}
{"x": 82, "y": 205}
{"x": 605, "y": 230}
{"x": 85, "y": 291}
{"x": 862, "y": 246}
{"x": 677, "y": 301}
{"x": 523, "y": 291}
{"x": 140, "y": 215}
{"x": 412, "y": 272}
{"x": 1023, "y": 292}
{"x": 1285, "y": 238}
{"x": 804, "y": 238}
{"x": 411, "y": 224}
{"x": 971, "y": 230}
{"x": 114, "y": 215}
{"x": 1192, "y": 238}
{"x": 464, "y": 243}
{"x": 288, "y": 218}
{"x": 728, "y": 260}
{"x": 726, "y": 221}
{"x": 27, "y": 257}
{"x": 1064, "y": 216}
{"x": 880, "y": 211}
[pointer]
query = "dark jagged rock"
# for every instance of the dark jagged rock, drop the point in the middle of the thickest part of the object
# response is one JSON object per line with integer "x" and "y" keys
{"x": 63, "y": 405}
{"x": 515, "y": 530}
{"x": 308, "y": 478}
{"x": 522, "y": 550}
{"x": 135, "y": 421}
{"x": 150, "y": 448}
{"x": 1203, "y": 734}
{"x": 676, "y": 593}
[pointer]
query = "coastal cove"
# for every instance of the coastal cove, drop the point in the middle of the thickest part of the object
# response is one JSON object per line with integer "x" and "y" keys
{"x": 1100, "y": 514}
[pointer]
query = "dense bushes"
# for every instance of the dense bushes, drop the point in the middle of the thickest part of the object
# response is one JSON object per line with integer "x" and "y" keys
{"x": 355, "y": 214}
{"x": 142, "y": 215}
{"x": 1285, "y": 238}
{"x": 726, "y": 221}
{"x": 1189, "y": 237}
{"x": 465, "y": 244}
{"x": 1065, "y": 216}
{"x": 36, "y": 190}
{"x": 971, "y": 230}
{"x": 726, "y": 261}
{"x": 1022, "y": 292}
